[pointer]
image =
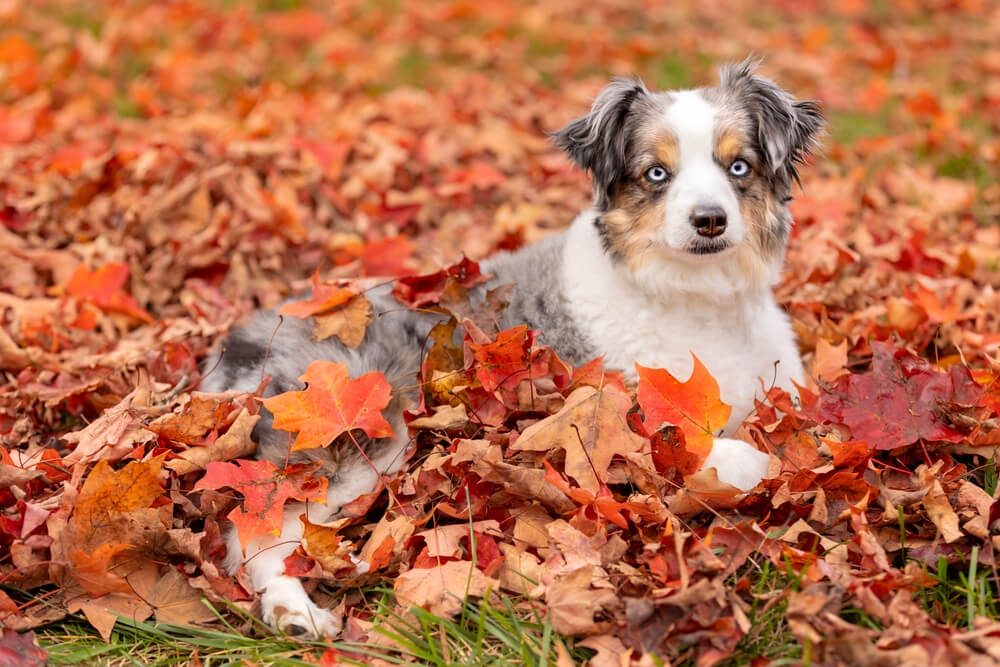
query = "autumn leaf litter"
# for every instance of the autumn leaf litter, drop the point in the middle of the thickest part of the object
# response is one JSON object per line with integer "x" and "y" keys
{"x": 131, "y": 244}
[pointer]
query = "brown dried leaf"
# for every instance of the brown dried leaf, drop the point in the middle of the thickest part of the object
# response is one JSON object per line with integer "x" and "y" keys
{"x": 591, "y": 428}
{"x": 233, "y": 444}
{"x": 441, "y": 589}
{"x": 572, "y": 603}
{"x": 348, "y": 323}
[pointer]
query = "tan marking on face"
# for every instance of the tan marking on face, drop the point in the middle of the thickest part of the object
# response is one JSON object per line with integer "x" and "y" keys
{"x": 631, "y": 226}
{"x": 728, "y": 146}
{"x": 764, "y": 217}
{"x": 666, "y": 150}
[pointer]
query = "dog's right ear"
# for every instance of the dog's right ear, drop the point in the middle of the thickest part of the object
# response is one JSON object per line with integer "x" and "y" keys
{"x": 599, "y": 142}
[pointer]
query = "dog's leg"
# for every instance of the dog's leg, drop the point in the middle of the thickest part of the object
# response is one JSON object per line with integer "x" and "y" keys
{"x": 737, "y": 463}
{"x": 285, "y": 605}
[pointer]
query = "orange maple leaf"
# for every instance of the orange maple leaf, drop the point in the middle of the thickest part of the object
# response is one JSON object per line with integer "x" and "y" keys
{"x": 103, "y": 288}
{"x": 325, "y": 296}
{"x": 603, "y": 501}
{"x": 938, "y": 312}
{"x": 332, "y": 404}
{"x": 694, "y": 407}
{"x": 93, "y": 570}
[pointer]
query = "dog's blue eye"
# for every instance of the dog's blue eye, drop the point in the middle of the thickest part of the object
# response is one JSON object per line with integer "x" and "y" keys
{"x": 656, "y": 174}
{"x": 739, "y": 168}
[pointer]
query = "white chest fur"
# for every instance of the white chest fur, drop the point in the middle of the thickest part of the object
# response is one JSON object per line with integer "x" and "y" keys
{"x": 740, "y": 336}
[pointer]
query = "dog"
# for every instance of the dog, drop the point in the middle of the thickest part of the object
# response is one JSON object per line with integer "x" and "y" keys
{"x": 678, "y": 253}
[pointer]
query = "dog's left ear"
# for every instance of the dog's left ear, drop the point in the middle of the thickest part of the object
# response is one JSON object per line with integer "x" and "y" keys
{"x": 599, "y": 141}
{"x": 787, "y": 129}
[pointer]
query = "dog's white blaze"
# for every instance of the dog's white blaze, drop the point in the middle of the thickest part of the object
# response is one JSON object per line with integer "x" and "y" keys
{"x": 699, "y": 180}
{"x": 660, "y": 316}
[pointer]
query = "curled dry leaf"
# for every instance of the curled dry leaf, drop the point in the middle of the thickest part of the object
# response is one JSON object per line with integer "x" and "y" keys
{"x": 193, "y": 420}
{"x": 233, "y": 444}
{"x": 572, "y": 603}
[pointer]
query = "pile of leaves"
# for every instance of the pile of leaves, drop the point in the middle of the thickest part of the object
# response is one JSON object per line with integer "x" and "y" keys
{"x": 169, "y": 167}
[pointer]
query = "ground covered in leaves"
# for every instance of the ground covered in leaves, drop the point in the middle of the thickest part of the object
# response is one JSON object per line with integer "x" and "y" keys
{"x": 169, "y": 167}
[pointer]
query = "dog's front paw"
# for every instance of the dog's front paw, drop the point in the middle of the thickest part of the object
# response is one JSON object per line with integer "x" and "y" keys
{"x": 737, "y": 463}
{"x": 286, "y": 607}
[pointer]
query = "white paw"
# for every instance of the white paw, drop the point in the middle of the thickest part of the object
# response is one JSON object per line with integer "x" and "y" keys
{"x": 286, "y": 607}
{"x": 737, "y": 463}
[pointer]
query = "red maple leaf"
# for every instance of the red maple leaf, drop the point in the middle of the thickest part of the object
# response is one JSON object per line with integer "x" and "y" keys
{"x": 417, "y": 291}
{"x": 694, "y": 406}
{"x": 265, "y": 489}
{"x": 21, "y": 649}
{"x": 670, "y": 452}
{"x": 503, "y": 363}
{"x": 103, "y": 288}
{"x": 332, "y": 404}
{"x": 898, "y": 402}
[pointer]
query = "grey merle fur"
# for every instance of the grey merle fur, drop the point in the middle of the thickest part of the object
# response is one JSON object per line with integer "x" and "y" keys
{"x": 600, "y": 142}
{"x": 282, "y": 347}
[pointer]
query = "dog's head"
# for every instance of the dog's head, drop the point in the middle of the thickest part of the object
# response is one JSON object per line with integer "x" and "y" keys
{"x": 697, "y": 177}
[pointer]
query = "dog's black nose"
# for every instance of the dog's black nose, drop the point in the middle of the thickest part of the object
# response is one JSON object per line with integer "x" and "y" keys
{"x": 709, "y": 221}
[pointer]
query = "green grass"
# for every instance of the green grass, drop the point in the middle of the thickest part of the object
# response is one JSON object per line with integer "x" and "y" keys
{"x": 769, "y": 635}
{"x": 964, "y": 591}
{"x": 513, "y": 631}
{"x": 132, "y": 642}
{"x": 849, "y": 126}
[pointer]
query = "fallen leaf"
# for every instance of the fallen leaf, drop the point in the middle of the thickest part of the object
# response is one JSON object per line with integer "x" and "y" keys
{"x": 446, "y": 418}
{"x": 234, "y": 443}
{"x": 420, "y": 291}
{"x": 896, "y": 404}
{"x": 109, "y": 495}
{"x": 92, "y": 570}
{"x": 20, "y": 650}
{"x": 693, "y": 406}
{"x": 441, "y": 589}
{"x": 331, "y": 405}
{"x": 193, "y": 421}
{"x": 572, "y": 602}
{"x": 177, "y": 603}
{"x": 348, "y": 323}
{"x": 103, "y": 288}
{"x": 503, "y": 363}
{"x": 324, "y": 297}
{"x": 591, "y": 428}
{"x": 264, "y": 488}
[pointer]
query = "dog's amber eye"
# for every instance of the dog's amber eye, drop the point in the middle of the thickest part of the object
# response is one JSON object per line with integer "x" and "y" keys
{"x": 739, "y": 168}
{"x": 656, "y": 174}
